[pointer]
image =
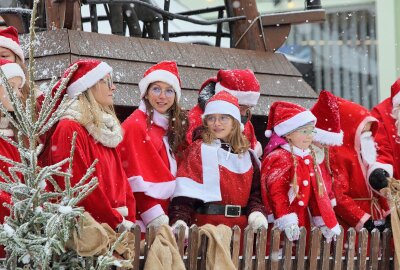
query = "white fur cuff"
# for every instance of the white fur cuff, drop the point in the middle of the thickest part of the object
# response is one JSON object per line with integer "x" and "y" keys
{"x": 286, "y": 220}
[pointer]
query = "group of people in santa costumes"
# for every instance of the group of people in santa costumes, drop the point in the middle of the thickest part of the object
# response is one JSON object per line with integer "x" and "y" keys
{"x": 320, "y": 168}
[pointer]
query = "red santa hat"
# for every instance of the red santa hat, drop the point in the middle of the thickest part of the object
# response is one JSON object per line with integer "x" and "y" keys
{"x": 395, "y": 93}
{"x": 9, "y": 39}
{"x": 328, "y": 129}
{"x": 11, "y": 70}
{"x": 165, "y": 71}
{"x": 88, "y": 73}
{"x": 285, "y": 117}
{"x": 242, "y": 83}
{"x": 223, "y": 103}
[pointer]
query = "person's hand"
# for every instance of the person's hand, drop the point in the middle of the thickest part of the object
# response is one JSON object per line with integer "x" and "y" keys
{"x": 178, "y": 224}
{"x": 158, "y": 221}
{"x": 292, "y": 232}
{"x": 257, "y": 220}
{"x": 378, "y": 179}
{"x": 125, "y": 225}
{"x": 328, "y": 234}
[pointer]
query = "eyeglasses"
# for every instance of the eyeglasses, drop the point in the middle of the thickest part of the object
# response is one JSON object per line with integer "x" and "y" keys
{"x": 306, "y": 131}
{"x": 223, "y": 119}
{"x": 156, "y": 90}
{"x": 109, "y": 81}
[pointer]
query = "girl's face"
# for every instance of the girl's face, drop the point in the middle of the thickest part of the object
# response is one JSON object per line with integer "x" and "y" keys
{"x": 7, "y": 54}
{"x": 15, "y": 84}
{"x": 301, "y": 138}
{"x": 161, "y": 96}
{"x": 103, "y": 91}
{"x": 220, "y": 125}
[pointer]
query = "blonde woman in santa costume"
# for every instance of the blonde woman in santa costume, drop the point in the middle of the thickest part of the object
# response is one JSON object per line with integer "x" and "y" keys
{"x": 291, "y": 182}
{"x": 16, "y": 79}
{"x": 328, "y": 134}
{"x": 358, "y": 205}
{"x": 218, "y": 180}
{"x": 92, "y": 117}
{"x": 153, "y": 135}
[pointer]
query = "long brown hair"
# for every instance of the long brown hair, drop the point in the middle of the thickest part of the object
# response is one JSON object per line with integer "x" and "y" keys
{"x": 236, "y": 139}
{"x": 177, "y": 124}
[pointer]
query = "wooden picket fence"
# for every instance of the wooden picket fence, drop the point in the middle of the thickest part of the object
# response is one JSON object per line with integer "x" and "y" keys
{"x": 284, "y": 254}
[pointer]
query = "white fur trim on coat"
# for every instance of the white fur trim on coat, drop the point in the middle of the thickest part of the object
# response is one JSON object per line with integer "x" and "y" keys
{"x": 151, "y": 214}
{"x": 258, "y": 149}
{"x": 89, "y": 79}
{"x": 12, "y": 70}
{"x": 160, "y": 75}
{"x": 249, "y": 98}
{"x": 377, "y": 165}
{"x": 328, "y": 138}
{"x": 286, "y": 220}
{"x": 162, "y": 190}
{"x": 295, "y": 122}
{"x": 13, "y": 46}
{"x": 396, "y": 100}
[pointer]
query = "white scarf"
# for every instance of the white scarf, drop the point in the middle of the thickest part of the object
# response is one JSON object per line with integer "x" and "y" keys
{"x": 109, "y": 133}
{"x": 368, "y": 148}
{"x": 159, "y": 119}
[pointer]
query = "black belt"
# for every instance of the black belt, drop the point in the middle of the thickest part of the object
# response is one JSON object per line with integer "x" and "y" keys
{"x": 219, "y": 209}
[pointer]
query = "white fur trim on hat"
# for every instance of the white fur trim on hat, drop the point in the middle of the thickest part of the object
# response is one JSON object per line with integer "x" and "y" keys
{"x": 160, "y": 75}
{"x": 396, "y": 100}
{"x": 13, "y": 46}
{"x": 328, "y": 138}
{"x": 89, "y": 79}
{"x": 12, "y": 70}
{"x": 249, "y": 98}
{"x": 222, "y": 107}
{"x": 295, "y": 122}
{"x": 268, "y": 133}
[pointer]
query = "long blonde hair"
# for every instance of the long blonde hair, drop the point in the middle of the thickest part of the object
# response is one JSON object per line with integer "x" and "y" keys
{"x": 177, "y": 124}
{"x": 236, "y": 139}
{"x": 91, "y": 110}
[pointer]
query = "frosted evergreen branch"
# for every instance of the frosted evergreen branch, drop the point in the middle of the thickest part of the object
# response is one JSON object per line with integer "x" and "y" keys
{"x": 32, "y": 36}
{"x": 5, "y": 177}
{"x": 86, "y": 190}
{"x": 10, "y": 141}
{"x": 9, "y": 161}
{"x": 71, "y": 157}
{"x": 16, "y": 104}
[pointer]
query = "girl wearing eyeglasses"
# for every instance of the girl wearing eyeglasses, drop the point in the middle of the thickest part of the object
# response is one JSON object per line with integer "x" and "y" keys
{"x": 218, "y": 180}
{"x": 291, "y": 182}
{"x": 99, "y": 132}
{"x": 153, "y": 134}
{"x": 16, "y": 79}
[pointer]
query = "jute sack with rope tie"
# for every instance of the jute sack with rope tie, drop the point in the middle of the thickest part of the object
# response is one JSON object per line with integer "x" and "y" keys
{"x": 392, "y": 193}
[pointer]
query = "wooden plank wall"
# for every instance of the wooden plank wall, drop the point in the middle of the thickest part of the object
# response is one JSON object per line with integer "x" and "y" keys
{"x": 130, "y": 57}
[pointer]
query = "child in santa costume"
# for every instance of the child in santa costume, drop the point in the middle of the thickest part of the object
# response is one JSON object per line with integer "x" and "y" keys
{"x": 11, "y": 50}
{"x": 153, "y": 135}
{"x": 388, "y": 139}
{"x": 98, "y": 131}
{"x": 218, "y": 179}
{"x": 242, "y": 84}
{"x": 16, "y": 79}
{"x": 327, "y": 134}
{"x": 290, "y": 179}
{"x": 358, "y": 205}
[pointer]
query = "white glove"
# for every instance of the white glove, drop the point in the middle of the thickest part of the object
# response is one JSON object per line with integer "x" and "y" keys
{"x": 292, "y": 232}
{"x": 158, "y": 221}
{"x": 257, "y": 220}
{"x": 125, "y": 225}
{"x": 179, "y": 223}
{"x": 328, "y": 234}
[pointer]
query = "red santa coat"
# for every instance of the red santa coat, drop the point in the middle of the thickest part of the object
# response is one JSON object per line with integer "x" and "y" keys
{"x": 210, "y": 173}
{"x": 195, "y": 121}
{"x": 112, "y": 199}
{"x": 387, "y": 140}
{"x": 356, "y": 201}
{"x": 149, "y": 164}
{"x": 9, "y": 151}
{"x": 277, "y": 172}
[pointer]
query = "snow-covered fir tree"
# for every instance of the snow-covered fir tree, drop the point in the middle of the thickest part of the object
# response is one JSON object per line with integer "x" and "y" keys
{"x": 41, "y": 222}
